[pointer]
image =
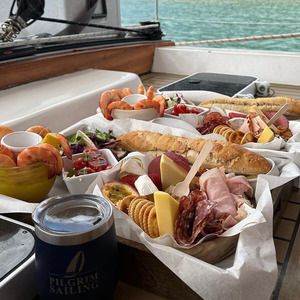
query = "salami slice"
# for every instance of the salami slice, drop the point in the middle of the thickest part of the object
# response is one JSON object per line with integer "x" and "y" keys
{"x": 282, "y": 123}
{"x": 194, "y": 211}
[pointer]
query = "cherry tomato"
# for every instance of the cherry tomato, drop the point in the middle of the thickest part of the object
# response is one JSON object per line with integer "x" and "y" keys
{"x": 97, "y": 164}
{"x": 79, "y": 163}
{"x": 195, "y": 110}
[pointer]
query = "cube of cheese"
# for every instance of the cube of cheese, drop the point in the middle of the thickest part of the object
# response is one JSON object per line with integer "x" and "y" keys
{"x": 170, "y": 172}
{"x": 266, "y": 136}
{"x": 166, "y": 211}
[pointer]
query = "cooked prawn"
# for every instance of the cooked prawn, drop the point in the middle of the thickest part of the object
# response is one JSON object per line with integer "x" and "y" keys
{"x": 145, "y": 103}
{"x": 44, "y": 153}
{"x": 6, "y": 161}
{"x": 5, "y": 151}
{"x": 127, "y": 91}
{"x": 39, "y": 129}
{"x": 150, "y": 92}
{"x": 119, "y": 105}
{"x": 161, "y": 104}
{"x": 105, "y": 99}
{"x": 119, "y": 92}
{"x": 141, "y": 89}
{"x": 63, "y": 142}
{"x": 4, "y": 131}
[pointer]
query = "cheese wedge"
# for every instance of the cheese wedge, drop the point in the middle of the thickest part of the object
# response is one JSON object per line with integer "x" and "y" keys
{"x": 166, "y": 212}
{"x": 170, "y": 172}
{"x": 266, "y": 136}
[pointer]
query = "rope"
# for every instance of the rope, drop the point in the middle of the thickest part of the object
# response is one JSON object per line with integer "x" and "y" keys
{"x": 242, "y": 39}
{"x": 229, "y": 22}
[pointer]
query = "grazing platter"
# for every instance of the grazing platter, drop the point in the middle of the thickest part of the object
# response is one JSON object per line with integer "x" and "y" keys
{"x": 210, "y": 223}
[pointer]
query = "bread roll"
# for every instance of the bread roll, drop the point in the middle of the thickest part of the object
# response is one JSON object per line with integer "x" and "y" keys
{"x": 264, "y": 104}
{"x": 233, "y": 157}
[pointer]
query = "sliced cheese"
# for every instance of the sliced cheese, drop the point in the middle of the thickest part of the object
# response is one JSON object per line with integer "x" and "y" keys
{"x": 170, "y": 172}
{"x": 166, "y": 212}
{"x": 266, "y": 136}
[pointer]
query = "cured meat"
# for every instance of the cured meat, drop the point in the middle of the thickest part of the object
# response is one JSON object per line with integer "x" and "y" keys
{"x": 194, "y": 211}
{"x": 239, "y": 185}
{"x": 213, "y": 209}
{"x": 232, "y": 115}
{"x": 213, "y": 182}
{"x": 212, "y": 120}
{"x": 282, "y": 123}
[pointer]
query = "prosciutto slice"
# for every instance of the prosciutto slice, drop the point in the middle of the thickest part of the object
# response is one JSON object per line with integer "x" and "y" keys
{"x": 239, "y": 185}
{"x": 213, "y": 182}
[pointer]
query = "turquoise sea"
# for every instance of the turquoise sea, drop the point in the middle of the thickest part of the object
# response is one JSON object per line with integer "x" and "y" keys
{"x": 189, "y": 20}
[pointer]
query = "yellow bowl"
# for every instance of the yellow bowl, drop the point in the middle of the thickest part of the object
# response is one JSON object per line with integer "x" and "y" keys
{"x": 30, "y": 183}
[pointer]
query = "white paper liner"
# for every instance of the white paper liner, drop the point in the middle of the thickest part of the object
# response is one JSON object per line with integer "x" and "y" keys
{"x": 251, "y": 272}
{"x": 253, "y": 216}
{"x": 253, "y": 264}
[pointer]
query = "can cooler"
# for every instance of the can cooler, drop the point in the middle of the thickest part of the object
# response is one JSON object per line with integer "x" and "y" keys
{"x": 75, "y": 248}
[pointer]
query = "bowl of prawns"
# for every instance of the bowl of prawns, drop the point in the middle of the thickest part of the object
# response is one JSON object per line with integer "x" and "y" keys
{"x": 30, "y": 174}
{"x": 125, "y": 103}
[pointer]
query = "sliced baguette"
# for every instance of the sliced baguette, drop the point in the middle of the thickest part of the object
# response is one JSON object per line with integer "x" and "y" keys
{"x": 264, "y": 104}
{"x": 234, "y": 158}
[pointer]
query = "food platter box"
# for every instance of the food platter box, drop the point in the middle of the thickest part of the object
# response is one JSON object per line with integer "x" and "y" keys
{"x": 253, "y": 262}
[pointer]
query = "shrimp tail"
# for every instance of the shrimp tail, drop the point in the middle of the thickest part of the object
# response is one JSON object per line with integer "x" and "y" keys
{"x": 160, "y": 104}
{"x": 150, "y": 92}
{"x": 141, "y": 89}
{"x": 39, "y": 129}
{"x": 63, "y": 143}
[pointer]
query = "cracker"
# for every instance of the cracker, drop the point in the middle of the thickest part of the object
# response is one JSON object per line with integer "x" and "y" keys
{"x": 218, "y": 128}
{"x": 225, "y": 127}
{"x": 142, "y": 212}
{"x": 236, "y": 137}
{"x": 152, "y": 224}
{"x": 248, "y": 138}
{"x": 137, "y": 210}
{"x": 145, "y": 218}
{"x": 132, "y": 206}
{"x": 228, "y": 133}
{"x": 123, "y": 204}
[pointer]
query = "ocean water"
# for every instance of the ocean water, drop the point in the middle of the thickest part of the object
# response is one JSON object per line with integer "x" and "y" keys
{"x": 191, "y": 20}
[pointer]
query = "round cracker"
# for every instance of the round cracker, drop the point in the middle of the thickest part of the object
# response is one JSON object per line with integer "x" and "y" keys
{"x": 218, "y": 128}
{"x": 248, "y": 138}
{"x": 236, "y": 137}
{"x": 123, "y": 204}
{"x": 145, "y": 218}
{"x": 228, "y": 133}
{"x": 152, "y": 224}
{"x": 137, "y": 210}
{"x": 225, "y": 127}
{"x": 132, "y": 206}
{"x": 225, "y": 131}
{"x": 142, "y": 212}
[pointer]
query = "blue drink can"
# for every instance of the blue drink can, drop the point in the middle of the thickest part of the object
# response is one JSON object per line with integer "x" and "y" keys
{"x": 76, "y": 248}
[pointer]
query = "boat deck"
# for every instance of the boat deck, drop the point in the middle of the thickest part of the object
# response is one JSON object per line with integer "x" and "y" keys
{"x": 286, "y": 228}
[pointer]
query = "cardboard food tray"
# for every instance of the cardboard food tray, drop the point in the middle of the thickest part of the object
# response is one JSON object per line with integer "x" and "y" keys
{"x": 197, "y": 274}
